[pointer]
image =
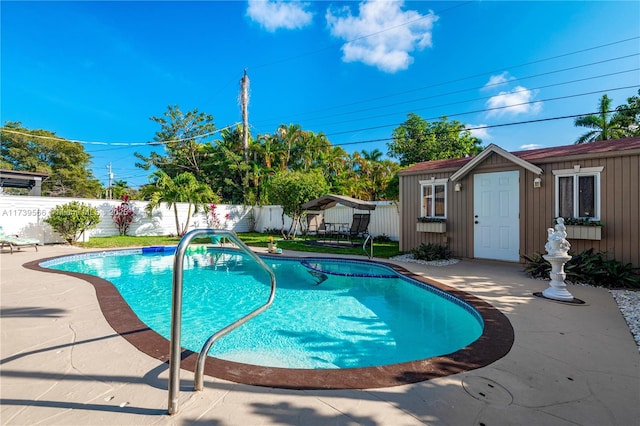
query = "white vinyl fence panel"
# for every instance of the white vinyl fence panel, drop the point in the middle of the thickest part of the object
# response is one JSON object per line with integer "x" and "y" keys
{"x": 24, "y": 216}
{"x": 384, "y": 219}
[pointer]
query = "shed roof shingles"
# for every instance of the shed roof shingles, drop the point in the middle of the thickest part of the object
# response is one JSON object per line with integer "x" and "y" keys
{"x": 535, "y": 154}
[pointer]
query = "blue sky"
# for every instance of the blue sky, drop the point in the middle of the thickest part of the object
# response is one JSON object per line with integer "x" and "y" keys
{"x": 96, "y": 71}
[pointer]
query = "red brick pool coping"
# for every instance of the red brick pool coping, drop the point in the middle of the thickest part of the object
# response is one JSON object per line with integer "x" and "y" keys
{"x": 494, "y": 343}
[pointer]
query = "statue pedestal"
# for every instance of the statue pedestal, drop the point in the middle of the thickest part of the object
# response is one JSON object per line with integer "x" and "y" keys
{"x": 557, "y": 288}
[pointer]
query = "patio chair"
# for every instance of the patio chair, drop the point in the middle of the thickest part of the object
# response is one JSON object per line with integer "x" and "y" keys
{"x": 13, "y": 241}
{"x": 363, "y": 227}
{"x": 315, "y": 225}
{"x": 359, "y": 226}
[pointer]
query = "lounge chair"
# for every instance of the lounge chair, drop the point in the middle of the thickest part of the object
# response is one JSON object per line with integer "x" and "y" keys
{"x": 359, "y": 226}
{"x": 13, "y": 241}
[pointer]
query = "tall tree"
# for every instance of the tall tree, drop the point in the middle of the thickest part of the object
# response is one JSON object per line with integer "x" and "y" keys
{"x": 185, "y": 138}
{"x": 629, "y": 116}
{"x": 418, "y": 140}
{"x": 383, "y": 174}
{"x": 229, "y": 173}
{"x": 604, "y": 125}
{"x": 66, "y": 162}
{"x": 336, "y": 170}
{"x": 183, "y": 188}
{"x": 286, "y": 142}
{"x": 291, "y": 190}
{"x": 265, "y": 148}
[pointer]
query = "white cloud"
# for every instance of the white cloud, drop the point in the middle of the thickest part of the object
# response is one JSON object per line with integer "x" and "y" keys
{"x": 498, "y": 80}
{"x": 480, "y": 131}
{"x": 273, "y": 15}
{"x": 382, "y": 35}
{"x": 514, "y": 102}
{"x": 530, "y": 146}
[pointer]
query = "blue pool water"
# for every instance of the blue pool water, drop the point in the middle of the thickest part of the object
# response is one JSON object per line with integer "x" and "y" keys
{"x": 327, "y": 313}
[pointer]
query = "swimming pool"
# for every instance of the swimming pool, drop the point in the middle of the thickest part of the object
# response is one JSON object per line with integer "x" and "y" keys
{"x": 369, "y": 315}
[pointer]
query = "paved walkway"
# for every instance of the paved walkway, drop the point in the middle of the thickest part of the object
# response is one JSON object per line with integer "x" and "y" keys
{"x": 61, "y": 363}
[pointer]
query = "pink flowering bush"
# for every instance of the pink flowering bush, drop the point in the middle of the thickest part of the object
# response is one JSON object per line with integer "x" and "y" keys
{"x": 123, "y": 215}
{"x": 215, "y": 221}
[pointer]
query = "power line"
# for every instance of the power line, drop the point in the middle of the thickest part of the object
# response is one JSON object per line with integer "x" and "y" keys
{"x": 480, "y": 127}
{"x": 492, "y": 109}
{"x": 370, "y": 117}
{"x": 128, "y": 144}
{"x": 482, "y": 74}
{"x": 489, "y": 126}
{"x": 123, "y": 144}
{"x": 467, "y": 100}
{"x": 343, "y": 132}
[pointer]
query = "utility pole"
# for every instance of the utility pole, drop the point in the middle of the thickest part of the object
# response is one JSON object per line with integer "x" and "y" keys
{"x": 244, "y": 103}
{"x": 110, "y": 191}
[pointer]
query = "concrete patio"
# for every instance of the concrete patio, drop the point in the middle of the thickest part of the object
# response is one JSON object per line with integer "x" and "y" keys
{"x": 61, "y": 363}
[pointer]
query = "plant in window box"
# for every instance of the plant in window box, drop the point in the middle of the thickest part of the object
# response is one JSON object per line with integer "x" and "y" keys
{"x": 431, "y": 224}
{"x": 583, "y": 228}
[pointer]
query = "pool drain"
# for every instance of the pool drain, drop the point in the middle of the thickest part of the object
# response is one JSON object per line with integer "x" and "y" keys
{"x": 487, "y": 390}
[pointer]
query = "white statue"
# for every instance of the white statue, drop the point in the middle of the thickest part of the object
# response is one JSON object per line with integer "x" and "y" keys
{"x": 558, "y": 254}
{"x": 557, "y": 243}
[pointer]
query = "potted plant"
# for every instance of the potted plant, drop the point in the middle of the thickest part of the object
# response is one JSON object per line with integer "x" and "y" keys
{"x": 272, "y": 246}
{"x": 583, "y": 228}
{"x": 431, "y": 224}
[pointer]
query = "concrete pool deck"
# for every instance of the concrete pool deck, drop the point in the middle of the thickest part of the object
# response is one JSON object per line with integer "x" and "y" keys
{"x": 61, "y": 363}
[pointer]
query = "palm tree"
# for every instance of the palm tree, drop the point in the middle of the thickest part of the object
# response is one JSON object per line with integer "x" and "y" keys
{"x": 184, "y": 188}
{"x": 604, "y": 125}
{"x": 285, "y": 142}
{"x": 120, "y": 188}
{"x": 265, "y": 148}
{"x": 373, "y": 156}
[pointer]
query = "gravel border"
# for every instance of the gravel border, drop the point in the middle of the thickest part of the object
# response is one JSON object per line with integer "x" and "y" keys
{"x": 629, "y": 304}
{"x": 628, "y": 301}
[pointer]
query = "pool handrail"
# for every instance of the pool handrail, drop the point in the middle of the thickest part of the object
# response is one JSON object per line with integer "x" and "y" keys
{"x": 364, "y": 246}
{"x": 176, "y": 312}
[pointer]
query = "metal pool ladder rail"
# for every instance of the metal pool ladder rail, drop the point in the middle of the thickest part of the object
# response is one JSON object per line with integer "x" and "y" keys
{"x": 176, "y": 312}
{"x": 364, "y": 246}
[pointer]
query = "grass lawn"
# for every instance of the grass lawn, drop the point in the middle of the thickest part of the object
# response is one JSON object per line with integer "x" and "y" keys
{"x": 255, "y": 239}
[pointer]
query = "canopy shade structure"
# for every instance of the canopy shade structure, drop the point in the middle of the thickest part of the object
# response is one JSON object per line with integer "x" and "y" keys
{"x": 23, "y": 180}
{"x": 331, "y": 200}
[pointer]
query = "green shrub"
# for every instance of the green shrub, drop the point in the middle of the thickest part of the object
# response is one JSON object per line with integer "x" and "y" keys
{"x": 384, "y": 238}
{"x": 588, "y": 267}
{"x": 615, "y": 274}
{"x": 431, "y": 252}
{"x": 272, "y": 231}
{"x": 72, "y": 219}
{"x": 584, "y": 267}
{"x": 537, "y": 266}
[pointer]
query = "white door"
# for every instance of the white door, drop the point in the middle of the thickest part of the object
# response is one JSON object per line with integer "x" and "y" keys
{"x": 496, "y": 216}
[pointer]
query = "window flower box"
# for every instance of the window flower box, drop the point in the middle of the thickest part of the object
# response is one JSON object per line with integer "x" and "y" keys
{"x": 434, "y": 227}
{"x": 578, "y": 232}
{"x": 583, "y": 229}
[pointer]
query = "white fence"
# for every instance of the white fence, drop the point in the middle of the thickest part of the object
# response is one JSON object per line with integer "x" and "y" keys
{"x": 24, "y": 216}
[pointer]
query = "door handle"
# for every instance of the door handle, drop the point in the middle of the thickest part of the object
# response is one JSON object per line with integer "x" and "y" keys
{"x": 476, "y": 222}
{"x": 476, "y": 216}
